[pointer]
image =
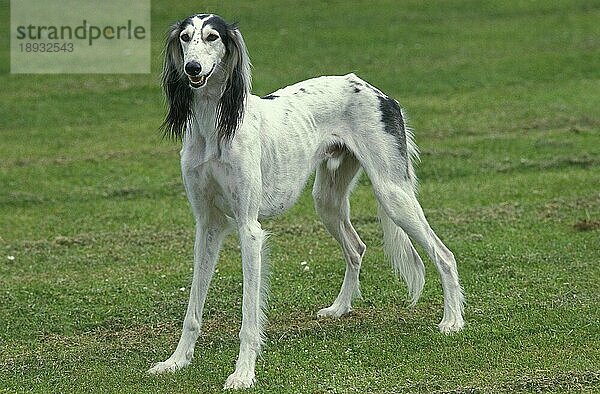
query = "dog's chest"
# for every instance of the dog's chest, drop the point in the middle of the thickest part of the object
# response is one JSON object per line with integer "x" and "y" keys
{"x": 207, "y": 186}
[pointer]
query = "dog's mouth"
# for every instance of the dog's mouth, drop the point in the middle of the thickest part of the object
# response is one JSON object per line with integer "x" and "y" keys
{"x": 199, "y": 81}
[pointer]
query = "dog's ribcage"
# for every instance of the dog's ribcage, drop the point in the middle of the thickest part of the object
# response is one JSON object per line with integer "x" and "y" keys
{"x": 295, "y": 128}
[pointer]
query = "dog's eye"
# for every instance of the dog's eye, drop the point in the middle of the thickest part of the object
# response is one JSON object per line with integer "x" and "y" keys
{"x": 185, "y": 37}
{"x": 212, "y": 37}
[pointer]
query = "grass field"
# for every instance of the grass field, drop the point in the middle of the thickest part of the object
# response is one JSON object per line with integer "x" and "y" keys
{"x": 504, "y": 98}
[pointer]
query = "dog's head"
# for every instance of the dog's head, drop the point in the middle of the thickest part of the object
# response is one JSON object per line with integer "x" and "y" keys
{"x": 205, "y": 57}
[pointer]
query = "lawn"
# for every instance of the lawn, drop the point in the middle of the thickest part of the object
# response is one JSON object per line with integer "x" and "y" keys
{"x": 96, "y": 235}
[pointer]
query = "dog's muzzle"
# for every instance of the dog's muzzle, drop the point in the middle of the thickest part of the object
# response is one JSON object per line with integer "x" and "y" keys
{"x": 193, "y": 70}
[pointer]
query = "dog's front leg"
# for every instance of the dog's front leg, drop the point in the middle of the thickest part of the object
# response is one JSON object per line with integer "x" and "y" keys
{"x": 252, "y": 238}
{"x": 209, "y": 237}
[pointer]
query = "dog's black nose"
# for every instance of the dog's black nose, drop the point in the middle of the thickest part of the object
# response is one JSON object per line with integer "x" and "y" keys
{"x": 193, "y": 68}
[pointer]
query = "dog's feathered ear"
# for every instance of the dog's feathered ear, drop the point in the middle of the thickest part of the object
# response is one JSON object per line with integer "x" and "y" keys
{"x": 230, "y": 110}
{"x": 175, "y": 85}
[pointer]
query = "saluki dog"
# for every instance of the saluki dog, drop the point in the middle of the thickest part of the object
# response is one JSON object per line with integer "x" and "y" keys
{"x": 245, "y": 158}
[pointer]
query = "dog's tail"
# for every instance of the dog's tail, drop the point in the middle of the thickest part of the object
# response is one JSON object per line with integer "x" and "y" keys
{"x": 405, "y": 260}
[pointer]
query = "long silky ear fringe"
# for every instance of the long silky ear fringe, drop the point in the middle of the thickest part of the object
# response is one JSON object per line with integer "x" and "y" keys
{"x": 230, "y": 110}
{"x": 175, "y": 85}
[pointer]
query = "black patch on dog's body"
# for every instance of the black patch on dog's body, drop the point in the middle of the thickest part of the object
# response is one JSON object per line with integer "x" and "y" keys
{"x": 355, "y": 84}
{"x": 393, "y": 122}
{"x": 269, "y": 97}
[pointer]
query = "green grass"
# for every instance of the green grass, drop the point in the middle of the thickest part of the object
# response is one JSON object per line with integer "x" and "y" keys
{"x": 504, "y": 98}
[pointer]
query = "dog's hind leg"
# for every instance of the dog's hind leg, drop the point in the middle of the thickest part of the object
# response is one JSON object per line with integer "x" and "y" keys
{"x": 331, "y": 195}
{"x": 399, "y": 202}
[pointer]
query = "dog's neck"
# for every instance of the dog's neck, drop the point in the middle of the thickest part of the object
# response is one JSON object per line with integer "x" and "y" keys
{"x": 201, "y": 135}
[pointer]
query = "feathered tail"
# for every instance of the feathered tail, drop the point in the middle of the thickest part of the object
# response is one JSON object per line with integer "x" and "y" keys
{"x": 405, "y": 260}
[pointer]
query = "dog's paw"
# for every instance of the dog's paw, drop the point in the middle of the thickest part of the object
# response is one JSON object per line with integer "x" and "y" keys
{"x": 451, "y": 325}
{"x": 168, "y": 366}
{"x": 239, "y": 381}
{"x": 334, "y": 311}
